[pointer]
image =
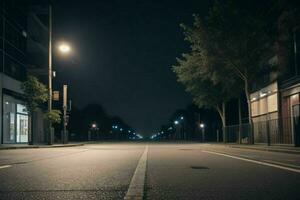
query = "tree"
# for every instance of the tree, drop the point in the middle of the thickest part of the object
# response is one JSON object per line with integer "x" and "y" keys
{"x": 241, "y": 36}
{"x": 234, "y": 43}
{"x": 35, "y": 94}
{"x": 195, "y": 71}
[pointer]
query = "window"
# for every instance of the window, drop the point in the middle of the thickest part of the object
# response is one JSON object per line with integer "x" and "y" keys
{"x": 297, "y": 51}
{"x": 14, "y": 69}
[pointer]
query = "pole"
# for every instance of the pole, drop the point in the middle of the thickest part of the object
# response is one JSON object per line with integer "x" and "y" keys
{"x": 65, "y": 99}
{"x": 295, "y": 51}
{"x": 199, "y": 122}
{"x": 50, "y": 139}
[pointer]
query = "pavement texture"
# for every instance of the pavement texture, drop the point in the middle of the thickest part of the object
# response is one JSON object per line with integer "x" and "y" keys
{"x": 164, "y": 170}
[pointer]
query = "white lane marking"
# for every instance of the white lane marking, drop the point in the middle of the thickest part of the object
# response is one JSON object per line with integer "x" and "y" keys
{"x": 5, "y": 166}
{"x": 136, "y": 187}
{"x": 255, "y": 161}
{"x": 284, "y": 164}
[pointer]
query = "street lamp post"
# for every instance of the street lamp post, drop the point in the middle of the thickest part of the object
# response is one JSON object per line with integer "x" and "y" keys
{"x": 202, "y": 127}
{"x": 176, "y": 122}
{"x": 50, "y": 139}
{"x": 64, "y": 48}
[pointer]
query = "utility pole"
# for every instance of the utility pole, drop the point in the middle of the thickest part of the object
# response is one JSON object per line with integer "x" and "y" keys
{"x": 50, "y": 136}
{"x": 65, "y": 100}
{"x": 295, "y": 50}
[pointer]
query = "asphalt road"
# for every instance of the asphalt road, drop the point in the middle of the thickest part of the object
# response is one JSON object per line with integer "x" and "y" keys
{"x": 148, "y": 171}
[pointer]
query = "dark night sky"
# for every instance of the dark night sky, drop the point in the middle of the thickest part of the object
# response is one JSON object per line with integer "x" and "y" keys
{"x": 123, "y": 55}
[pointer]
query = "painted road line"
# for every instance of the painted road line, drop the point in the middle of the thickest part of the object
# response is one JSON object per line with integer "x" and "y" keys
{"x": 5, "y": 166}
{"x": 284, "y": 164}
{"x": 255, "y": 161}
{"x": 136, "y": 187}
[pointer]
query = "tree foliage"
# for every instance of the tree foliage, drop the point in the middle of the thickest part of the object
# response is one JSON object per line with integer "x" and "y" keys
{"x": 230, "y": 50}
{"x": 241, "y": 35}
{"x": 35, "y": 93}
{"x": 54, "y": 116}
{"x": 202, "y": 73}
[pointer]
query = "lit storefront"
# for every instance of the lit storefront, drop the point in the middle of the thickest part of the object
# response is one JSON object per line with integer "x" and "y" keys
{"x": 264, "y": 113}
{"x": 14, "y": 120}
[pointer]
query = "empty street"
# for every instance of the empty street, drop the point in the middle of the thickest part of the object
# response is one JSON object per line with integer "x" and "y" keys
{"x": 148, "y": 171}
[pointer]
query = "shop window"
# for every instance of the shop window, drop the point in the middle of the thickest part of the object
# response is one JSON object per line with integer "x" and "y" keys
{"x": 294, "y": 99}
{"x": 8, "y": 120}
{"x": 22, "y": 109}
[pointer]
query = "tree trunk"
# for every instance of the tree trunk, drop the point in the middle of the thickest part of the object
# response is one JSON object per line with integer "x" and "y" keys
{"x": 222, "y": 115}
{"x": 247, "y": 93}
{"x": 240, "y": 122}
{"x": 224, "y": 123}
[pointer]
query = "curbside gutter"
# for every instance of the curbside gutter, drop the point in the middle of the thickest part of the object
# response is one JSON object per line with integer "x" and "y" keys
{"x": 271, "y": 149}
{"x": 8, "y": 147}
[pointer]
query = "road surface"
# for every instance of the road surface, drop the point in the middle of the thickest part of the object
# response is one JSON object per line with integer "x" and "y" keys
{"x": 148, "y": 171}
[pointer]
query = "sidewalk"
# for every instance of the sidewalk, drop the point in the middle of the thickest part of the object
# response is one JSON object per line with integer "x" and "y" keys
{"x": 264, "y": 147}
{"x": 26, "y": 146}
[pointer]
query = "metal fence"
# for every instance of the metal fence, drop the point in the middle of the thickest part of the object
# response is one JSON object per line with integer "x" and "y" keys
{"x": 237, "y": 133}
{"x": 275, "y": 131}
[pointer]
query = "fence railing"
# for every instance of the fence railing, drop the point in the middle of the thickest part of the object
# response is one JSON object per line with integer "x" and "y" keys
{"x": 237, "y": 133}
{"x": 275, "y": 131}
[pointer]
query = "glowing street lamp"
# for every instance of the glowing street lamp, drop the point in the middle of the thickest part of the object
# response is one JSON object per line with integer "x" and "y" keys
{"x": 64, "y": 48}
{"x": 176, "y": 122}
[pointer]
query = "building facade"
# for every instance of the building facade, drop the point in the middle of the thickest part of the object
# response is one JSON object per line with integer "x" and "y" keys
{"x": 15, "y": 60}
{"x": 276, "y": 107}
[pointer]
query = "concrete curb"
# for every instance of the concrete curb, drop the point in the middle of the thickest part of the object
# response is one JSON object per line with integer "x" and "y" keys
{"x": 41, "y": 146}
{"x": 272, "y": 149}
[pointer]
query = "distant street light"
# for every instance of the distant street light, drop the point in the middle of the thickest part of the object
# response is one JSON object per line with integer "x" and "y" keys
{"x": 202, "y": 125}
{"x": 94, "y": 125}
{"x": 176, "y": 122}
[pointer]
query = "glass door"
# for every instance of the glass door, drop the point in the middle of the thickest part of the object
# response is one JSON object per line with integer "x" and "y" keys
{"x": 22, "y": 128}
{"x": 296, "y": 124}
